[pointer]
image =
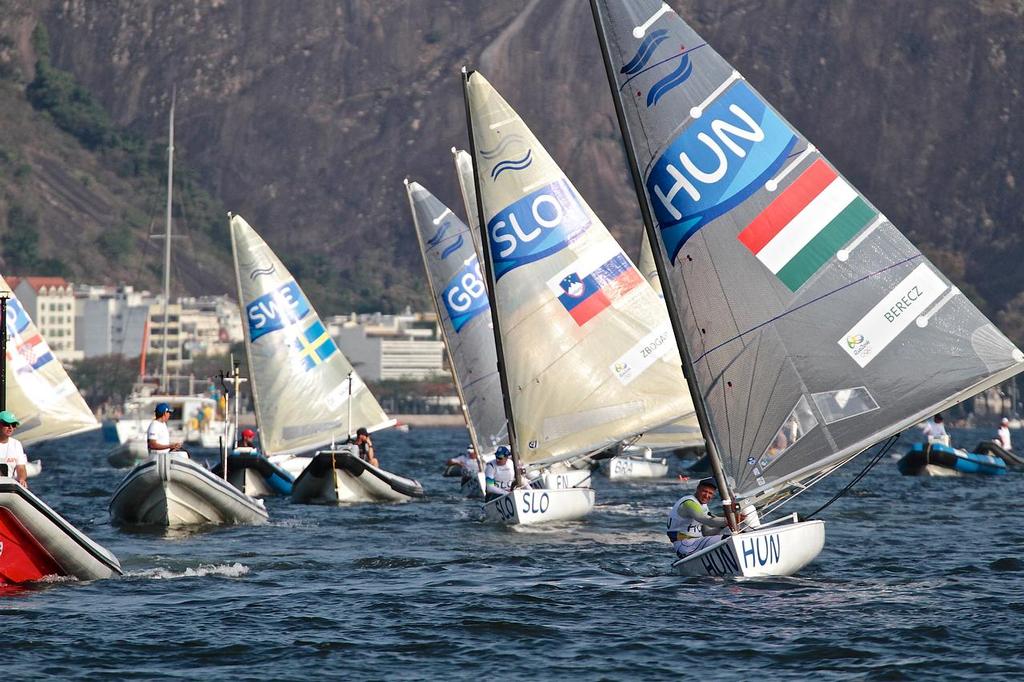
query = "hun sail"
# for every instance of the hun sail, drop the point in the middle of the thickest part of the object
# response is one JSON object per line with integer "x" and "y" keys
{"x": 299, "y": 378}
{"x": 460, "y": 296}
{"x": 588, "y": 349}
{"x": 39, "y": 390}
{"x": 815, "y": 328}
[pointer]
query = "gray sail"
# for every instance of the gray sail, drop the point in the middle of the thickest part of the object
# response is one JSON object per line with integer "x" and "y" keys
{"x": 460, "y": 295}
{"x": 464, "y": 172}
{"x": 815, "y": 327}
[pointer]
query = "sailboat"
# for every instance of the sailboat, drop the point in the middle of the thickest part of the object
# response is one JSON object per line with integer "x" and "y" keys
{"x": 169, "y": 488}
{"x": 36, "y": 541}
{"x": 187, "y": 410}
{"x": 584, "y": 354}
{"x": 306, "y": 394}
{"x": 808, "y": 324}
{"x": 460, "y": 298}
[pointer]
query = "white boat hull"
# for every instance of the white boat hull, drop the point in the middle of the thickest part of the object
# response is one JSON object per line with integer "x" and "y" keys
{"x": 939, "y": 471}
{"x": 473, "y": 486}
{"x": 66, "y": 548}
{"x": 171, "y": 490}
{"x": 530, "y": 506}
{"x": 622, "y": 468}
{"x": 776, "y": 549}
{"x": 293, "y": 464}
{"x": 346, "y": 478}
{"x": 565, "y": 478}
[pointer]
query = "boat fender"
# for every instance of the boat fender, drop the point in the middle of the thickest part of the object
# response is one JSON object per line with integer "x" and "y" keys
{"x": 753, "y": 519}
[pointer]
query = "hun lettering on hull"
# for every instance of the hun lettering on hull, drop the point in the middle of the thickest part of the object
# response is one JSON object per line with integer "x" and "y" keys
{"x": 716, "y": 163}
{"x": 761, "y": 550}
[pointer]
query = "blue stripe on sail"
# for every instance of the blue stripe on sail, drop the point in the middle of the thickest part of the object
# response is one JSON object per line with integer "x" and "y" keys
{"x": 491, "y": 153}
{"x": 670, "y": 82}
{"x": 453, "y": 247}
{"x": 644, "y": 52}
{"x": 512, "y": 164}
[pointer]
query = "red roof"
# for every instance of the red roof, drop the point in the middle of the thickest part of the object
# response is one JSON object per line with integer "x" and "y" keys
{"x": 12, "y": 282}
{"x": 38, "y": 283}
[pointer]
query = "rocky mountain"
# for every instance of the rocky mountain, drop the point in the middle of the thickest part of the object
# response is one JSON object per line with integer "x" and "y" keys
{"x": 305, "y": 117}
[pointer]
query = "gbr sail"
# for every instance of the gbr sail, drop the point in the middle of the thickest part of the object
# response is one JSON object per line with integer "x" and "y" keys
{"x": 815, "y": 328}
{"x": 299, "y": 378}
{"x": 588, "y": 350}
{"x": 460, "y": 298}
{"x": 39, "y": 391}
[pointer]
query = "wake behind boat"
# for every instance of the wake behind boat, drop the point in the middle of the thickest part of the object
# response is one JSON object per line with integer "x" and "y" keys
{"x": 341, "y": 476}
{"x": 36, "y": 542}
{"x": 169, "y": 489}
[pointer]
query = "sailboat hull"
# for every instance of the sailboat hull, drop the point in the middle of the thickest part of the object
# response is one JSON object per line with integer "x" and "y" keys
{"x": 342, "y": 477}
{"x": 626, "y": 468}
{"x": 565, "y": 478}
{"x": 36, "y": 541}
{"x": 530, "y": 506}
{"x": 171, "y": 490}
{"x": 772, "y": 550}
{"x": 473, "y": 486}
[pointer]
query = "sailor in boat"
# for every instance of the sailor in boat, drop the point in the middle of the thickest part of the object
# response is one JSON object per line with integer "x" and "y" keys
{"x": 365, "y": 446}
{"x": 690, "y": 519}
{"x": 500, "y": 474}
{"x": 158, "y": 438}
{"x": 1003, "y": 434}
{"x": 13, "y": 461}
{"x": 469, "y": 463}
{"x": 247, "y": 439}
{"x": 935, "y": 431}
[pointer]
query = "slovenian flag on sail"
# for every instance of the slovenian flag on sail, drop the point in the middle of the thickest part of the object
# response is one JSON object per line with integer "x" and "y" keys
{"x": 584, "y": 292}
{"x": 314, "y": 345}
{"x": 806, "y": 225}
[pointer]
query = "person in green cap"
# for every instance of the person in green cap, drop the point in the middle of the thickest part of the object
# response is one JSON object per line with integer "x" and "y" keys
{"x": 12, "y": 454}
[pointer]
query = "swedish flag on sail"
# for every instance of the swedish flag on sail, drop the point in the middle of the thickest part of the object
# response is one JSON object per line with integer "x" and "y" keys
{"x": 314, "y": 345}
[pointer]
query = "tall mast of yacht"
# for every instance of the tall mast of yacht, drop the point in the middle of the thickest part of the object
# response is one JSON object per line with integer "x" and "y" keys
{"x": 167, "y": 245}
{"x": 663, "y": 275}
{"x": 485, "y": 246}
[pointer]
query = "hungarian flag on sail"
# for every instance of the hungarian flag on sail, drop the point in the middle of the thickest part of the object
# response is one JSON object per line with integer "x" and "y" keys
{"x": 806, "y": 225}
{"x": 585, "y": 291}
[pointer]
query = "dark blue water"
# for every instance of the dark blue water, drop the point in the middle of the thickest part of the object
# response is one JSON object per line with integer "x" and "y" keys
{"x": 919, "y": 579}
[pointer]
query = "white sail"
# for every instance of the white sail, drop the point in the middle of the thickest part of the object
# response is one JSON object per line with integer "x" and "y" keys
{"x": 464, "y": 172}
{"x": 588, "y": 350}
{"x": 646, "y": 264}
{"x": 300, "y": 379}
{"x": 39, "y": 392}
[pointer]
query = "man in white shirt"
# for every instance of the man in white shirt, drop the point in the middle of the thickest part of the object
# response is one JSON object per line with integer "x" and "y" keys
{"x": 12, "y": 454}
{"x": 1003, "y": 434}
{"x": 935, "y": 430}
{"x": 158, "y": 438}
{"x": 500, "y": 474}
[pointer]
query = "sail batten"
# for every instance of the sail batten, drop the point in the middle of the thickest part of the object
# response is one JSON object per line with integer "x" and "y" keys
{"x": 587, "y": 347}
{"x": 305, "y": 391}
{"x": 811, "y": 321}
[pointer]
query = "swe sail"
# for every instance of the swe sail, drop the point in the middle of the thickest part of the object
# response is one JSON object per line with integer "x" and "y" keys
{"x": 811, "y": 325}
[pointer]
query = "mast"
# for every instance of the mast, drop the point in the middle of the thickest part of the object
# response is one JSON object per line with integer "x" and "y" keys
{"x": 4, "y": 297}
{"x": 167, "y": 243}
{"x": 657, "y": 248}
{"x": 485, "y": 246}
{"x": 444, "y": 337}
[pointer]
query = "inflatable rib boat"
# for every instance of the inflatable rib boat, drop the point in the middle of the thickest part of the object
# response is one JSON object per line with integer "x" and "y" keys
{"x": 254, "y": 474}
{"x": 36, "y": 541}
{"x": 342, "y": 476}
{"x": 169, "y": 489}
{"x": 936, "y": 459}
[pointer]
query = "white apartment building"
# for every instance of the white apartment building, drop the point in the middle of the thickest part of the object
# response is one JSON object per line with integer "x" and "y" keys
{"x": 379, "y": 346}
{"x": 50, "y": 303}
{"x": 210, "y": 324}
{"x": 110, "y": 320}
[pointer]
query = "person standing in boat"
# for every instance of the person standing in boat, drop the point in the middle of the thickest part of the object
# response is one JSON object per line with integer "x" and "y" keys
{"x": 158, "y": 438}
{"x": 690, "y": 519}
{"x": 499, "y": 473}
{"x": 1003, "y": 434}
{"x": 935, "y": 430}
{"x": 365, "y": 445}
{"x": 12, "y": 453}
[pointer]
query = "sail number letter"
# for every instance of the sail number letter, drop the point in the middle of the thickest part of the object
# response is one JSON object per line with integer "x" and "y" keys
{"x": 535, "y": 226}
{"x": 276, "y": 310}
{"x": 465, "y": 297}
{"x": 716, "y": 163}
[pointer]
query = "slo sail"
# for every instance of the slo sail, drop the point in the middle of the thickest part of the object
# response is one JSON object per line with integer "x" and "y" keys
{"x": 460, "y": 299}
{"x": 808, "y": 323}
{"x": 585, "y": 357}
{"x": 306, "y": 394}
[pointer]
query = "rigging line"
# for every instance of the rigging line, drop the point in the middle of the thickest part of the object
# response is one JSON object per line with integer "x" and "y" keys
{"x": 813, "y": 300}
{"x": 874, "y": 460}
